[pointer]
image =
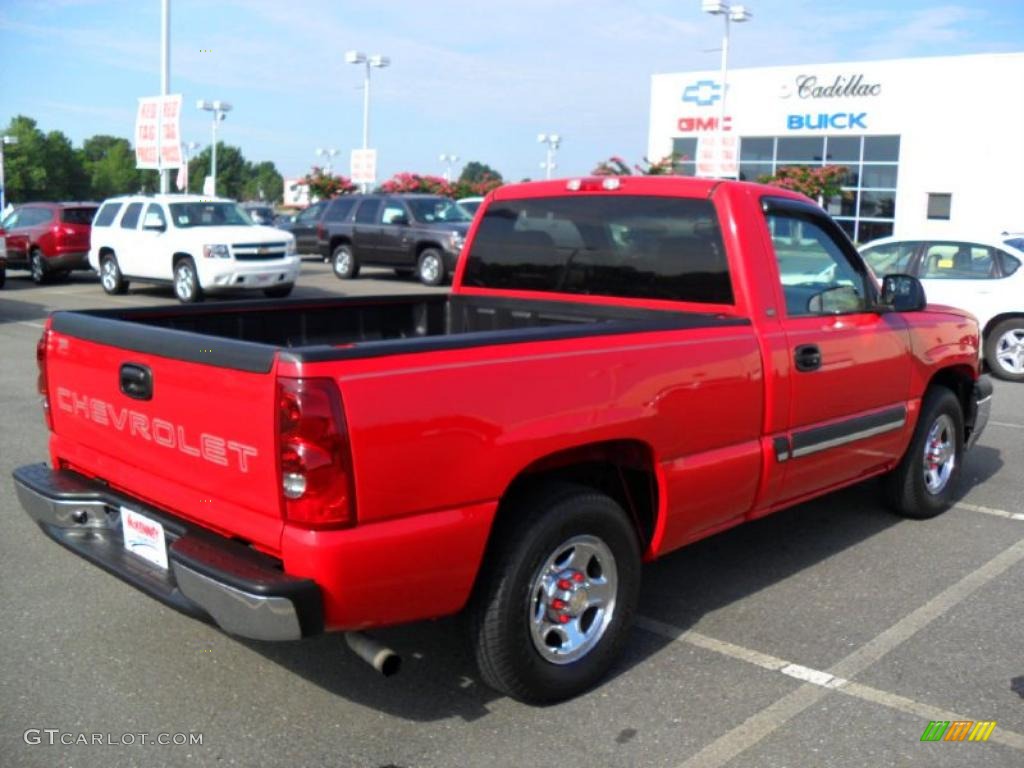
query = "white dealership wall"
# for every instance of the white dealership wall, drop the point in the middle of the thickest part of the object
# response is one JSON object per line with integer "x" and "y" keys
{"x": 960, "y": 120}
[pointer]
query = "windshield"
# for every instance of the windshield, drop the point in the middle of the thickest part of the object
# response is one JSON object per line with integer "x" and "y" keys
{"x": 430, "y": 210}
{"x": 209, "y": 215}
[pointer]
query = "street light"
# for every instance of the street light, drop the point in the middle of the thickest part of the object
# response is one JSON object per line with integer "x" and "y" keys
{"x": 739, "y": 14}
{"x": 329, "y": 154}
{"x": 3, "y": 190}
{"x": 552, "y": 140}
{"x": 378, "y": 61}
{"x": 220, "y": 110}
{"x": 449, "y": 161}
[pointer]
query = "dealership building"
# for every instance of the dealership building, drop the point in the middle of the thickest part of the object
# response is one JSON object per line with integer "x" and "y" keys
{"x": 932, "y": 146}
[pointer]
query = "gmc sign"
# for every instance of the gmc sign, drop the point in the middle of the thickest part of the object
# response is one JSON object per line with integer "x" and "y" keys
{"x": 694, "y": 124}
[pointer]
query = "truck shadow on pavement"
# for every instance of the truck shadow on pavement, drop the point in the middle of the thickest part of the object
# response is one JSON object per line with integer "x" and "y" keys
{"x": 439, "y": 679}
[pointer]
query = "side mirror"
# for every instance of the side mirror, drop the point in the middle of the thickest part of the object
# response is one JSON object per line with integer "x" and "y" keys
{"x": 153, "y": 222}
{"x": 903, "y": 293}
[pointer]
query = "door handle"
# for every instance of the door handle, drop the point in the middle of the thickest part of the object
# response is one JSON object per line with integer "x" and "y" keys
{"x": 807, "y": 357}
{"x": 137, "y": 381}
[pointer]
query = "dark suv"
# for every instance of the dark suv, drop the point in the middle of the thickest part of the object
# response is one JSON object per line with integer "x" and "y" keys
{"x": 419, "y": 234}
{"x": 49, "y": 239}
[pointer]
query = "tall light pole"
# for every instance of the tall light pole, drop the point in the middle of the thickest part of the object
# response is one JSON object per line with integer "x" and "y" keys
{"x": 5, "y": 140}
{"x": 220, "y": 110}
{"x": 376, "y": 60}
{"x": 329, "y": 154}
{"x": 449, "y": 161}
{"x": 165, "y": 84}
{"x": 553, "y": 140}
{"x": 737, "y": 13}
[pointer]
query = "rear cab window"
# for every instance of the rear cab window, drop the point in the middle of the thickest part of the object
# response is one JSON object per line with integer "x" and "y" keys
{"x": 626, "y": 246}
{"x": 367, "y": 211}
{"x": 106, "y": 215}
{"x": 131, "y": 216}
{"x": 339, "y": 210}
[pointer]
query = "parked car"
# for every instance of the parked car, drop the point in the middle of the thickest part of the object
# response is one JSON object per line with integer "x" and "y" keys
{"x": 621, "y": 368}
{"x": 197, "y": 244}
{"x": 306, "y": 228}
{"x": 471, "y": 204}
{"x": 410, "y": 233}
{"x": 982, "y": 275}
{"x": 3, "y": 257}
{"x": 260, "y": 213}
{"x": 49, "y": 239}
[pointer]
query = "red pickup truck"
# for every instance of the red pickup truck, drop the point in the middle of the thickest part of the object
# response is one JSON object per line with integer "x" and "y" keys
{"x": 623, "y": 366}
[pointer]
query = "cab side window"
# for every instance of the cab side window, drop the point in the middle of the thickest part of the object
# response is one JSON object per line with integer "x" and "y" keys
{"x": 393, "y": 212}
{"x": 310, "y": 215}
{"x": 816, "y": 274}
{"x": 890, "y": 259}
{"x": 130, "y": 220}
{"x": 958, "y": 261}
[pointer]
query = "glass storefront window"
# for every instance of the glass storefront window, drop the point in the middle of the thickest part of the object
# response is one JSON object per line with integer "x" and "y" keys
{"x": 872, "y": 230}
{"x": 878, "y": 205}
{"x": 878, "y": 176}
{"x": 842, "y": 149}
{"x": 685, "y": 151}
{"x": 754, "y": 171}
{"x": 801, "y": 150}
{"x": 881, "y": 149}
{"x": 757, "y": 150}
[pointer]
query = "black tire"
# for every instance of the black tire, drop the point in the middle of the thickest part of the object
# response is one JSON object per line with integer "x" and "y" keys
{"x": 111, "y": 279}
{"x": 3, "y": 276}
{"x": 344, "y": 262}
{"x": 278, "y": 291}
{"x": 186, "y": 282}
{"x": 430, "y": 267}
{"x": 500, "y": 613}
{"x": 37, "y": 267}
{"x": 907, "y": 487}
{"x": 1004, "y": 349}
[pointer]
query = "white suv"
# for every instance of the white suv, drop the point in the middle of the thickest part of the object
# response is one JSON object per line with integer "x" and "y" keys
{"x": 980, "y": 274}
{"x": 198, "y": 244}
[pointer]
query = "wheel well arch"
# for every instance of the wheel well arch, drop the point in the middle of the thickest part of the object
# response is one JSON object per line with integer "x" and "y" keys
{"x": 180, "y": 256}
{"x": 992, "y": 323}
{"x": 425, "y": 244}
{"x": 622, "y": 469}
{"x": 106, "y": 250}
{"x": 339, "y": 240}
{"x": 959, "y": 379}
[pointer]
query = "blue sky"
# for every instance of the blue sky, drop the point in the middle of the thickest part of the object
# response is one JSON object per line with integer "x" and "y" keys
{"x": 480, "y": 80}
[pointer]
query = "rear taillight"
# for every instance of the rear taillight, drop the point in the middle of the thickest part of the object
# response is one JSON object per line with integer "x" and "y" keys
{"x": 41, "y": 385}
{"x": 321, "y": 232}
{"x": 315, "y": 461}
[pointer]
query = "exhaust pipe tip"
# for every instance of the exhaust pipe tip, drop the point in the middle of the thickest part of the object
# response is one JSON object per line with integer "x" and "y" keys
{"x": 377, "y": 655}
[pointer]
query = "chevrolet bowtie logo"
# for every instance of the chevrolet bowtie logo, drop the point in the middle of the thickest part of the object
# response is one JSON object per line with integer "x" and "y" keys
{"x": 703, "y": 93}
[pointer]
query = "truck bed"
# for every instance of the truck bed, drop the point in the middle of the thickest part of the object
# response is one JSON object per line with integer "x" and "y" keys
{"x": 250, "y": 333}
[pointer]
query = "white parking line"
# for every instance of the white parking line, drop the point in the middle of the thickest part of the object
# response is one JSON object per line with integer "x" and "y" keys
{"x": 30, "y": 324}
{"x": 818, "y": 683}
{"x": 991, "y": 511}
{"x": 1006, "y": 424}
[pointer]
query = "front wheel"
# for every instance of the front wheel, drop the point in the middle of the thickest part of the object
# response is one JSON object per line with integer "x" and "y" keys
{"x": 1004, "y": 349}
{"x": 430, "y": 267}
{"x": 186, "y": 282}
{"x": 556, "y": 594}
{"x": 924, "y": 483}
{"x": 344, "y": 263}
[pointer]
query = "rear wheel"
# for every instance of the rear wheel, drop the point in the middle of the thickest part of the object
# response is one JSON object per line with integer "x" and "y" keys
{"x": 37, "y": 266}
{"x": 344, "y": 262}
{"x": 186, "y": 282}
{"x": 430, "y": 267}
{"x": 111, "y": 279}
{"x": 556, "y": 594}
{"x": 924, "y": 483}
{"x": 278, "y": 291}
{"x": 1004, "y": 349}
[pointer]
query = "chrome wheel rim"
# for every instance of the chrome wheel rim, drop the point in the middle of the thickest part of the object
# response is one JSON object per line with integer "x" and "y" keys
{"x": 343, "y": 263}
{"x": 184, "y": 282}
{"x": 109, "y": 277}
{"x": 1010, "y": 351}
{"x": 430, "y": 269}
{"x": 571, "y": 601}
{"x": 939, "y": 454}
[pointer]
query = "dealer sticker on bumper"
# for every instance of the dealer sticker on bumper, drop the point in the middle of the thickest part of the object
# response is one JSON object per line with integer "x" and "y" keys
{"x": 144, "y": 537}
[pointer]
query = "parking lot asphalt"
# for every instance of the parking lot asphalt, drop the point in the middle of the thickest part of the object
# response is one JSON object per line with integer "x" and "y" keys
{"x": 828, "y": 634}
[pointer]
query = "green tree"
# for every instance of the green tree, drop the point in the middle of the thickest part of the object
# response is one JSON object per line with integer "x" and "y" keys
{"x": 264, "y": 183}
{"x": 474, "y": 172}
{"x": 109, "y": 163}
{"x": 237, "y": 178}
{"x": 24, "y": 162}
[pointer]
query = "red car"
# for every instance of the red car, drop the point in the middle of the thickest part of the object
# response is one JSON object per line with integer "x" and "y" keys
{"x": 49, "y": 239}
{"x": 622, "y": 367}
{"x": 3, "y": 257}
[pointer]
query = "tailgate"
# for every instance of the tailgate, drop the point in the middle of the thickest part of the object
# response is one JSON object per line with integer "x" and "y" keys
{"x": 193, "y": 438}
